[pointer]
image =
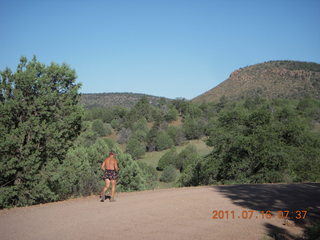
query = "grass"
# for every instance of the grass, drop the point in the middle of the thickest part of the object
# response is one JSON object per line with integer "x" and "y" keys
{"x": 152, "y": 159}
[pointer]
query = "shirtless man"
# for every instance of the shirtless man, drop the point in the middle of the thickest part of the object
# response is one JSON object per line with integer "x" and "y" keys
{"x": 110, "y": 166}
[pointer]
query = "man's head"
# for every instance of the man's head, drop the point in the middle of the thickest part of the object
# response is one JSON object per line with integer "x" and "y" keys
{"x": 111, "y": 154}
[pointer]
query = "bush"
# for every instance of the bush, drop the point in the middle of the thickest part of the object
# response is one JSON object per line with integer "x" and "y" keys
{"x": 41, "y": 117}
{"x": 269, "y": 142}
{"x": 191, "y": 175}
{"x": 193, "y": 128}
{"x": 141, "y": 125}
{"x": 151, "y": 139}
{"x": 87, "y": 136}
{"x": 149, "y": 173}
{"x": 135, "y": 148}
{"x": 123, "y": 135}
{"x": 163, "y": 141}
{"x": 176, "y": 134}
{"x": 169, "y": 174}
{"x": 169, "y": 158}
{"x": 187, "y": 156}
{"x": 172, "y": 114}
{"x": 116, "y": 124}
{"x": 98, "y": 127}
{"x": 131, "y": 177}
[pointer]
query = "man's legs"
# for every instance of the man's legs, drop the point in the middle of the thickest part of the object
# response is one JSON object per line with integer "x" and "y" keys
{"x": 105, "y": 188}
{"x": 113, "y": 183}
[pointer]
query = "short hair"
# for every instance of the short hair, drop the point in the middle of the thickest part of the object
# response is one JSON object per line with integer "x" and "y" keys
{"x": 111, "y": 153}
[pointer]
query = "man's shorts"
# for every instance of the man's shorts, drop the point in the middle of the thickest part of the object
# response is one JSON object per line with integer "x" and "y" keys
{"x": 110, "y": 174}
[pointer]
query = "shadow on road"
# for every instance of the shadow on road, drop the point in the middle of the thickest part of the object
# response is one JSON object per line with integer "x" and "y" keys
{"x": 278, "y": 197}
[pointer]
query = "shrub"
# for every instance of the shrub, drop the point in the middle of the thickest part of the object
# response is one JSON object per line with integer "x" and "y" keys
{"x": 268, "y": 142}
{"x": 149, "y": 173}
{"x": 116, "y": 124}
{"x": 193, "y": 128}
{"x": 123, "y": 135}
{"x": 98, "y": 127}
{"x": 169, "y": 174}
{"x": 176, "y": 134}
{"x": 163, "y": 141}
{"x": 172, "y": 114}
{"x": 135, "y": 148}
{"x": 169, "y": 158}
{"x": 187, "y": 156}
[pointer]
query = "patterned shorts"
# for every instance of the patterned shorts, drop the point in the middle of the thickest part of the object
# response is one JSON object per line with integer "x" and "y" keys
{"x": 110, "y": 174}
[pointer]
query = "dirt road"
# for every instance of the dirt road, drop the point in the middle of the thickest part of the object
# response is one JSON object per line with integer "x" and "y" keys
{"x": 184, "y": 213}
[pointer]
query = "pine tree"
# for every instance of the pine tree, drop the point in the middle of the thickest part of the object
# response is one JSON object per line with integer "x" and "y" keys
{"x": 40, "y": 118}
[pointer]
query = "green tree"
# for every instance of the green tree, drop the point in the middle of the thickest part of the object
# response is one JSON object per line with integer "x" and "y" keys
{"x": 87, "y": 136}
{"x": 310, "y": 107}
{"x": 172, "y": 113}
{"x": 169, "y": 158}
{"x": 149, "y": 173}
{"x": 100, "y": 128}
{"x": 141, "y": 124}
{"x": 263, "y": 142}
{"x": 116, "y": 124}
{"x": 131, "y": 177}
{"x": 193, "y": 128}
{"x": 169, "y": 174}
{"x": 181, "y": 105}
{"x": 176, "y": 134}
{"x": 151, "y": 138}
{"x": 163, "y": 141}
{"x": 191, "y": 175}
{"x": 186, "y": 157}
{"x": 142, "y": 108}
{"x": 40, "y": 119}
{"x": 140, "y": 129}
{"x": 135, "y": 148}
{"x": 104, "y": 114}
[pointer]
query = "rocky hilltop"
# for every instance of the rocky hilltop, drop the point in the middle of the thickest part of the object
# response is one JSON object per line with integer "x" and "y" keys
{"x": 285, "y": 79}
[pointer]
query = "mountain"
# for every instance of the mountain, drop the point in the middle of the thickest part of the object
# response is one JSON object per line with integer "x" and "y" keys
{"x": 90, "y": 100}
{"x": 285, "y": 79}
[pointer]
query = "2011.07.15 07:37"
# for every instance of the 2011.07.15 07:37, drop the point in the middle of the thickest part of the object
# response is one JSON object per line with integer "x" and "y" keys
{"x": 252, "y": 214}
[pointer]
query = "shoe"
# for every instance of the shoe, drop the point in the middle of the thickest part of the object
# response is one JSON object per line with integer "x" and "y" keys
{"x": 102, "y": 199}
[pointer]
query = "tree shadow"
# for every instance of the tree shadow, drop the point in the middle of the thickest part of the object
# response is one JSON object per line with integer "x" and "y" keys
{"x": 278, "y": 197}
{"x": 278, "y": 233}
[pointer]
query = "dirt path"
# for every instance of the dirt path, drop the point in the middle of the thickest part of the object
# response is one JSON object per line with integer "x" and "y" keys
{"x": 183, "y": 213}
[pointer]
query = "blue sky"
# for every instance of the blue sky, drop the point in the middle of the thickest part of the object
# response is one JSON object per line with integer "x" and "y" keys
{"x": 176, "y": 48}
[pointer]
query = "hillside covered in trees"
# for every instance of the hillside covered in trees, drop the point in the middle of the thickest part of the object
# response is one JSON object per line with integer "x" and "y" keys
{"x": 254, "y": 140}
{"x": 90, "y": 100}
{"x": 52, "y": 147}
{"x": 274, "y": 79}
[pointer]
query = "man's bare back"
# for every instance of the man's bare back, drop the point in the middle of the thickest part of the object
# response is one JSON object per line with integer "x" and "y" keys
{"x": 110, "y": 163}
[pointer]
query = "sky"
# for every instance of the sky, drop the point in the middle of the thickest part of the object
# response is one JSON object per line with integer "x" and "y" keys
{"x": 167, "y": 48}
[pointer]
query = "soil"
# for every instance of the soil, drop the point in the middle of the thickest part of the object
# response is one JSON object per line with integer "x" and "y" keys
{"x": 181, "y": 213}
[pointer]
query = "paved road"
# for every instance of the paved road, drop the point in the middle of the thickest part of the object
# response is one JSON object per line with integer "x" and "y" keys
{"x": 183, "y": 213}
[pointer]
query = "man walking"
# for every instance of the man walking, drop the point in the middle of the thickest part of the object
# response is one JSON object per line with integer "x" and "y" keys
{"x": 110, "y": 167}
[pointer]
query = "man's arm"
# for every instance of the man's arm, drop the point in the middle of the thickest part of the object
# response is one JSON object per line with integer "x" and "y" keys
{"x": 116, "y": 165}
